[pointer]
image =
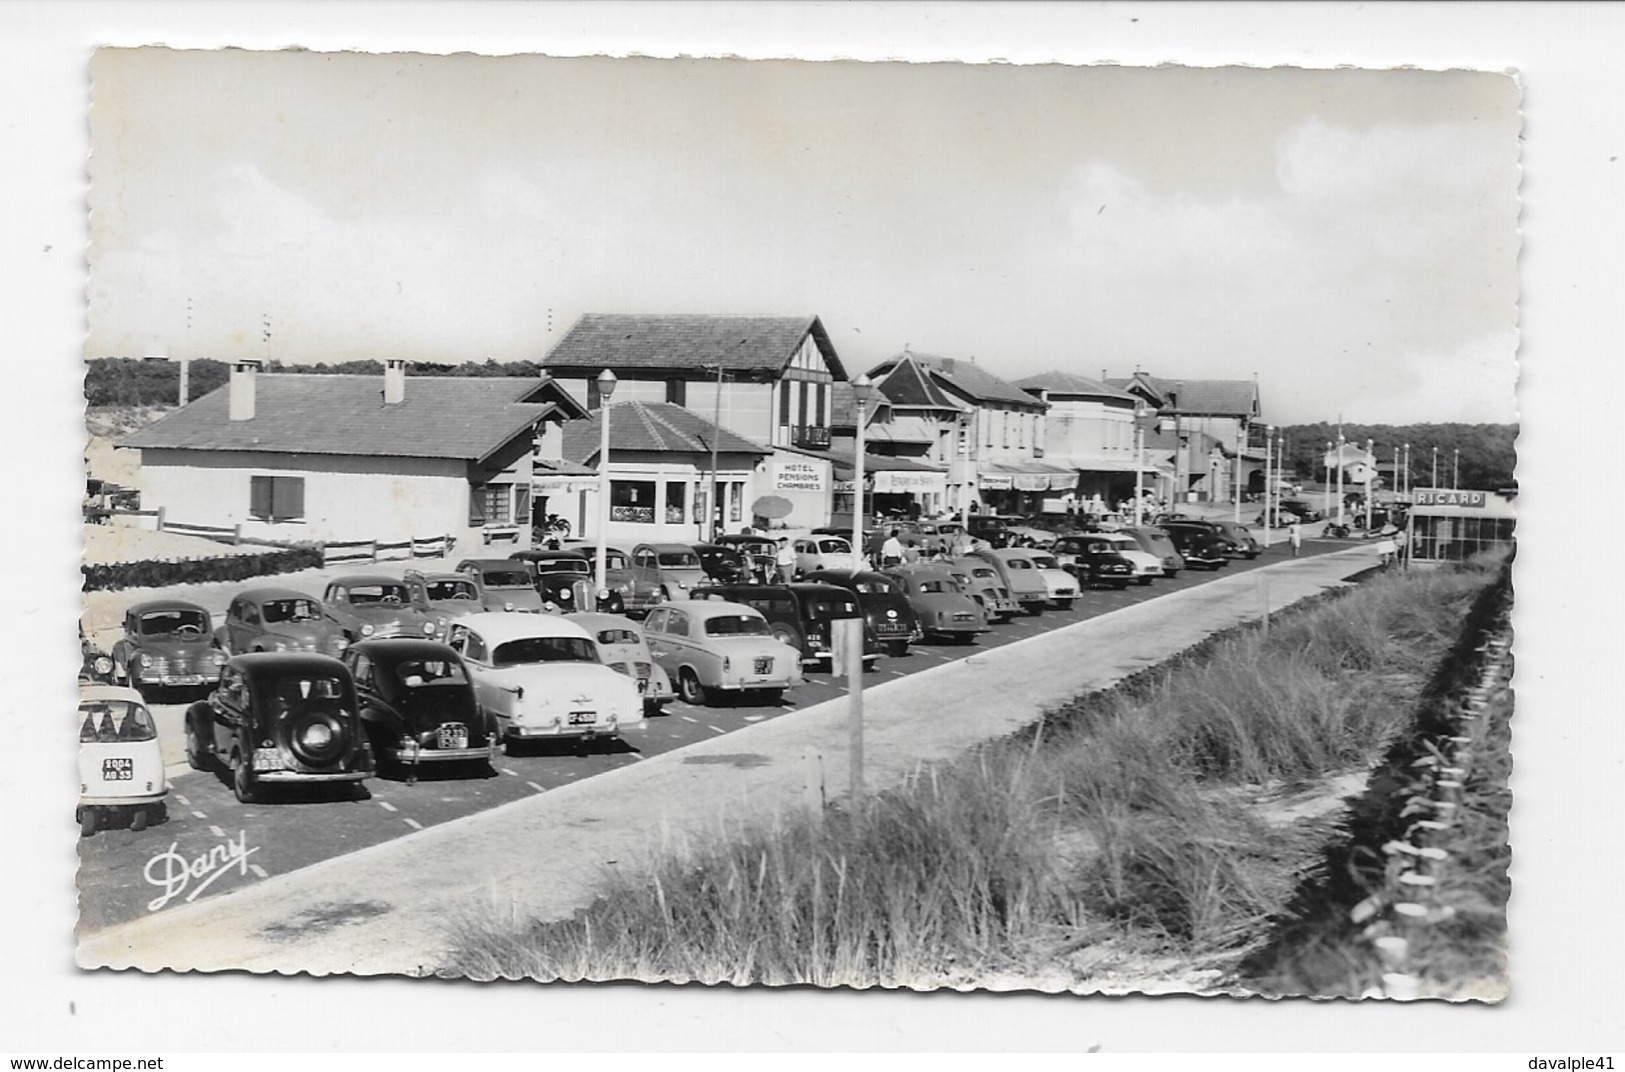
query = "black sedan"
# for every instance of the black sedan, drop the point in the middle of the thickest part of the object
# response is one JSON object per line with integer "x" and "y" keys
{"x": 418, "y": 705}
{"x": 883, "y": 603}
{"x": 723, "y": 563}
{"x": 1199, "y": 548}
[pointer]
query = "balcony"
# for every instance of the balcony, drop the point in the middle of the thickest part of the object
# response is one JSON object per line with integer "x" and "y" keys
{"x": 809, "y": 437}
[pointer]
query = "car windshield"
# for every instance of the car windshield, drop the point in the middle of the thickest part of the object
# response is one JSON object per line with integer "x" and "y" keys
{"x": 614, "y": 560}
{"x": 1045, "y": 562}
{"x": 290, "y": 610}
{"x": 168, "y": 622}
{"x": 1018, "y": 563}
{"x": 564, "y": 565}
{"x": 985, "y": 573}
{"x": 678, "y": 559}
{"x": 108, "y": 721}
{"x": 506, "y": 579}
{"x": 377, "y": 593}
{"x": 294, "y": 693}
{"x": 930, "y": 586}
{"x": 875, "y": 586}
{"x": 422, "y": 673}
{"x": 618, "y": 636}
{"x": 451, "y": 590}
{"x": 530, "y": 650}
{"x": 736, "y": 625}
{"x": 819, "y": 608}
{"x": 833, "y": 546}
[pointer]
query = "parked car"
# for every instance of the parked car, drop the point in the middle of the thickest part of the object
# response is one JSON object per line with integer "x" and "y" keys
{"x": 564, "y": 579}
{"x": 418, "y": 705}
{"x": 280, "y": 718}
{"x": 623, "y": 646}
{"x": 988, "y": 527}
{"x": 1019, "y": 575}
{"x": 723, "y": 563}
{"x": 1232, "y": 549}
{"x": 504, "y": 583}
{"x": 982, "y": 583}
{"x": 1145, "y": 567}
{"x": 1061, "y": 585}
{"x": 279, "y": 619}
{"x": 823, "y": 553}
{"x": 1093, "y": 559}
{"x": 759, "y": 552}
{"x": 447, "y": 596}
{"x": 167, "y": 643}
{"x": 1292, "y": 508}
{"x": 1153, "y": 541}
{"x": 1199, "y": 548}
{"x": 95, "y": 665}
{"x": 883, "y": 603}
{"x": 713, "y": 647}
{"x": 799, "y": 614}
{"x": 540, "y": 677}
{"x": 634, "y": 596}
{"x": 377, "y": 605}
{"x": 1246, "y": 545}
{"x": 942, "y": 610}
{"x": 1018, "y": 533}
{"x": 672, "y": 569}
{"x": 121, "y": 765}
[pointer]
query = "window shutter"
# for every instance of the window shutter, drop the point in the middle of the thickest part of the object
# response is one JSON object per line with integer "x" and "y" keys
{"x": 819, "y": 413}
{"x": 259, "y": 497}
{"x": 476, "y": 507}
{"x": 784, "y": 401}
{"x": 289, "y": 501}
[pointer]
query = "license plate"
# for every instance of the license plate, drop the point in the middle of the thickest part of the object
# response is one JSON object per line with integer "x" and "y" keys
{"x": 764, "y": 665}
{"x": 118, "y": 769}
{"x": 583, "y": 718}
{"x": 452, "y": 735}
{"x": 184, "y": 679}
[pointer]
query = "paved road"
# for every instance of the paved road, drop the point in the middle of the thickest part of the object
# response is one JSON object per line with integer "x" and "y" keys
{"x": 315, "y": 825}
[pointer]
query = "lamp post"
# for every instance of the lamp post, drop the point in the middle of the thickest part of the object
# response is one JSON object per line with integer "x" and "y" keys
{"x": 1328, "y": 508}
{"x": 1339, "y": 461}
{"x": 606, "y": 388}
{"x": 1455, "y": 480}
{"x": 1140, "y": 415}
{"x": 1235, "y": 482}
{"x": 712, "y": 499}
{"x": 1269, "y": 446}
{"x": 861, "y": 390}
{"x": 964, "y": 471}
{"x": 1435, "y": 482}
{"x": 1407, "y": 484}
{"x": 1370, "y": 472}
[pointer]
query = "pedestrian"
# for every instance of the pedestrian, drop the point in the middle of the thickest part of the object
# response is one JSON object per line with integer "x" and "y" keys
{"x": 785, "y": 558}
{"x": 1294, "y": 533}
{"x": 891, "y": 552}
{"x": 1387, "y": 549}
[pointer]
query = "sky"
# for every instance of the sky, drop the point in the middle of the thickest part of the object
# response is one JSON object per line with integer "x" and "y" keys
{"x": 1349, "y": 236}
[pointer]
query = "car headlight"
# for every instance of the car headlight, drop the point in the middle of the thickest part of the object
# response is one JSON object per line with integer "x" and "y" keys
{"x": 104, "y": 665}
{"x": 507, "y": 606}
{"x": 428, "y": 629}
{"x": 220, "y": 658}
{"x": 564, "y": 595}
{"x": 366, "y": 630}
{"x": 141, "y": 660}
{"x": 280, "y": 645}
{"x": 603, "y": 593}
{"x": 340, "y": 643}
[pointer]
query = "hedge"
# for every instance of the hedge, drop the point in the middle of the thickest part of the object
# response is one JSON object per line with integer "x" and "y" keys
{"x": 160, "y": 573}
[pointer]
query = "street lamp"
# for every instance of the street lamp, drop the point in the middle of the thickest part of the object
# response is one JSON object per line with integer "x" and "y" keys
{"x": 1328, "y": 508}
{"x": 1407, "y": 484}
{"x": 1435, "y": 482}
{"x": 1339, "y": 461}
{"x": 713, "y": 501}
{"x": 862, "y": 389}
{"x": 1269, "y": 446}
{"x": 1455, "y": 481}
{"x": 606, "y": 388}
{"x": 964, "y": 470}
{"x": 1371, "y": 471}
{"x": 1141, "y": 414}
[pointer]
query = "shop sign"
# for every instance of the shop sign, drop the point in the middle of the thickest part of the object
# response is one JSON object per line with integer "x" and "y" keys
{"x": 1449, "y": 497}
{"x": 911, "y": 482}
{"x": 798, "y": 476}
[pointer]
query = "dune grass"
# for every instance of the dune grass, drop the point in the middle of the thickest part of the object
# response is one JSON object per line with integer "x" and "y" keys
{"x": 1112, "y": 818}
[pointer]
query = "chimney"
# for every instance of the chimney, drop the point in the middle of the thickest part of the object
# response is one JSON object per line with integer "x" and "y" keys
{"x": 394, "y": 381}
{"x": 242, "y": 388}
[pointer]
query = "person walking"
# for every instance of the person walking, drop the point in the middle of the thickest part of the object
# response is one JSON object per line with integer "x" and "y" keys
{"x": 891, "y": 552}
{"x": 1294, "y": 533}
{"x": 785, "y": 558}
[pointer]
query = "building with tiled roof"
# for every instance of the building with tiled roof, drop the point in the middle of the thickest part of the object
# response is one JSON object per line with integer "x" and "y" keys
{"x": 1090, "y": 428}
{"x": 1228, "y": 411}
{"x": 347, "y": 458}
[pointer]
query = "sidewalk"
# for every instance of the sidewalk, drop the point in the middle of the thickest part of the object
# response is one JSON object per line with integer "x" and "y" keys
{"x": 385, "y": 910}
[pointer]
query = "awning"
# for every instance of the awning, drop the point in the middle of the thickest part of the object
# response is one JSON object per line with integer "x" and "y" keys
{"x": 562, "y": 478}
{"x": 1113, "y": 465}
{"x": 1024, "y": 476}
{"x": 892, "y": 481}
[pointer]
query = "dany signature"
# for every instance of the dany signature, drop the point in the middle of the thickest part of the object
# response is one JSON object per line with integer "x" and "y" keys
{"x": 175, "y": 873}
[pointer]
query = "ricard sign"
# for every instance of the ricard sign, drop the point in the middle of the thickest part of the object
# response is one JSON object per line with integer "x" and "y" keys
{"x": 1449, "y": 497}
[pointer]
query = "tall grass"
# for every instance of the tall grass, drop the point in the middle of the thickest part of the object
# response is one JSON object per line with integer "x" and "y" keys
{"x": 1110, "y": 818}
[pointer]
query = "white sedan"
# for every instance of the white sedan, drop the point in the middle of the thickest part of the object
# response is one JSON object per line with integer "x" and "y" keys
{"x": 1062, "y": 586}
{"x": 541, "y": 677}
{"x": 1147, "y": 566}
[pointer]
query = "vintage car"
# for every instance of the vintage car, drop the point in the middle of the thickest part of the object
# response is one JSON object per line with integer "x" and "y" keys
{"x": 672, "y": 569}
{"x": 503, "y": 583}
{"x": 884, "y": 605}
{"x": 713, "y": 648}
{"x": 563, "y": 578}
{"x": 628, "y": 594}
{"x": 761, "y": 552}
{"x": 1153, "y": 541}
{"x": 279, "y": 619}
{"x": 167, "y": 644}
{"x": 943, "y": 611}
{"x": 1199, "y": 548}
{"x": 1019, "y": 575}
{"x": 540, "y": 677}
{"x": 447, "y": 595}
{"x": 418, "y": 706}
{"x": 982, "y": 583}
{"x": 723, "y": 564}
{"x": 823, "y": 553}
{"x": 1232, "y": 547}
{"x": 1145, "y": 567}
{"x": 375, "y": 605}
{"x": 121, "y": 765}
{"x": 622, "y": 646}
{"x": 1093, "y": 559}
{"x": 95, "y": 665}
{"x": 799, "y": 614}
{"x": 280, "y": 718}
{"x": 1239, "y": 535}
{"x": 988, "y": 527}
{"x": 1061, "y": 585}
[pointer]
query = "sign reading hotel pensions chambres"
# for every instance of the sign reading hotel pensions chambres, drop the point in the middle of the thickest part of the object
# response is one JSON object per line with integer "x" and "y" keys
{"x": 798, "y": 476}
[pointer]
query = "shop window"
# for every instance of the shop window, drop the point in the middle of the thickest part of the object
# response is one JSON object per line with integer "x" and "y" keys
{"x": 736, "y": 501}
{"x": 276, "y": 498}
{"x": 675, "y": 494}
{"x": 632, "y": 501}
